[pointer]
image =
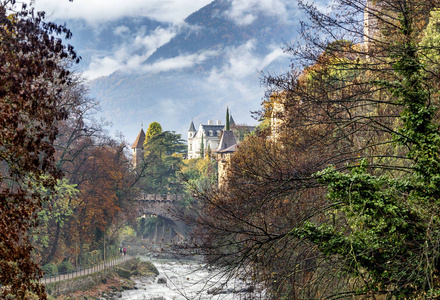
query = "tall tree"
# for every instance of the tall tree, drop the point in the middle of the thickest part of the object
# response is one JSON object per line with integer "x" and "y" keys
{"x": 153, "y": 129}
{"x": 228, "y": 126}
{"x": 162, "y": 163}
{"x": 202, "y": 148}
{"x": 32, "y": 79}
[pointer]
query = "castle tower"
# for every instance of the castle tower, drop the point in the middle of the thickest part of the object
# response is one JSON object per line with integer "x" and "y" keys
{"x": 371, "y": 27}
{"x": 138, "y": 149}
{"x": 228, "y": 145}
{"x": 191, "y": 135}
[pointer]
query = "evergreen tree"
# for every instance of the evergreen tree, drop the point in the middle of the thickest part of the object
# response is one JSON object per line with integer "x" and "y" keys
{"x": 227, "y": 119}
{"x": 153, "y": 129}
{"x": 202, "y": 148}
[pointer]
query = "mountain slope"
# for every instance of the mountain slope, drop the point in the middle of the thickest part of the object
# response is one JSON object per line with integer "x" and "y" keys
{"x": 211, "y": 28}
{"x": 203, "y": 85}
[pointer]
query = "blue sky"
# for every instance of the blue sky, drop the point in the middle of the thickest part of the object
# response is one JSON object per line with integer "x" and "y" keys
{"x": 236, "y": 83}
{"x": 173, "y": 12}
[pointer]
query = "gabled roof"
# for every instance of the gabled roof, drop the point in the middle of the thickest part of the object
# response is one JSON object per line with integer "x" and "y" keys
{"x": 214, "y": 128}
{"x": 227, "y": 140}
{"x": 139, "y": 142}
{"x": 192, "y": 127}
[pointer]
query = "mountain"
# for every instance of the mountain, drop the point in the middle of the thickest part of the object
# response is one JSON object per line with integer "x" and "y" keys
{"x": 211, "y": 28}
{"x": 210, "y": 62}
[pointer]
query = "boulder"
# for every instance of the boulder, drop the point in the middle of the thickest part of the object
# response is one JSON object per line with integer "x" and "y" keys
{"x": 162, "y": 280}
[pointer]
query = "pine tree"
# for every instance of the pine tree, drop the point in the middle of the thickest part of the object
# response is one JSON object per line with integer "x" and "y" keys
{"x": 202, "y": 148}
{"x": 227, "y": 119}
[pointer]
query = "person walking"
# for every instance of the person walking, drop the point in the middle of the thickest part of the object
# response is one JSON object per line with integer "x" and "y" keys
{"x": 125, "y": 251}
{"x": 120, "y": 251}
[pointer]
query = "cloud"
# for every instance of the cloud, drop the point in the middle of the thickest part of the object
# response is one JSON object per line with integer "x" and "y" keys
{"x": 243, "y": 63}
{"x": 124, "y": 61}
{"x": 98, "y": 11}
{"x": 244, "y": 12}
{"x": 179, "y": 62}
{"x": 131, "y": 53}
{"x": 121, "y": 30}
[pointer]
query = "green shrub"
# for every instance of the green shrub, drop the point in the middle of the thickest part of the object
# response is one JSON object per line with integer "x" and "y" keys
{"x": 65, "y": 266}
{"x": 50, "y": 268}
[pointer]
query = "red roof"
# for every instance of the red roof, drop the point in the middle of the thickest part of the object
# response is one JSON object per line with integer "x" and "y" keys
{"x": 139, "y": 143}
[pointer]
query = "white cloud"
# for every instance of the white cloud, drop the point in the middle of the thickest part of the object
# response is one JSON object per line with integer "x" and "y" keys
{"x": 159, "y": 37}
{"x": 131, "y": 54}
{"x": 97, "y": 11}
{"x": 121, "y": 30}
{"x": 243, "y": 63}
{"x": 101, "y": 67}
{"x": 179, "y": 62}
{"x": 244, "y": 12}
{"x": 126, "y": 62}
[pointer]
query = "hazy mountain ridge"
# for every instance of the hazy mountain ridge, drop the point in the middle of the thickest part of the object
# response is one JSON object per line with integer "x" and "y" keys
{"x": 200, "y": 91}
{"x": 210, "y": 28}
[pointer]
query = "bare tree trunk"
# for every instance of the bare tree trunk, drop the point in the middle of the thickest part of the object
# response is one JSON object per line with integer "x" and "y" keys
{"x": 54, "y": 245}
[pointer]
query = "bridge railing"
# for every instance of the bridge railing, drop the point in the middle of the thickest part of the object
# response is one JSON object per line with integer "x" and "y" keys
{"x": 102, "y": 265}
{"x": 158, "y": 197}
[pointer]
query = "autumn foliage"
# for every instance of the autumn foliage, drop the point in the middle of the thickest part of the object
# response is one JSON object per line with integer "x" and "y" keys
{"x": 32, "y": 77}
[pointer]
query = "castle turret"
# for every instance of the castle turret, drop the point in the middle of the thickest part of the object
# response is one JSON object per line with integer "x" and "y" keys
{"x": 192, "y": 130}
{"x": 138, "y": 147}
{"x": 191, "y": 135}
{"x": 227, "y": 146}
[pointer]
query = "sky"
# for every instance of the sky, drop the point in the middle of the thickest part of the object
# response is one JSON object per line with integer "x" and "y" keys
{"x": 133, "y": 50}
{"x": 97, "y": 11}
{"x": 237, "y": 82}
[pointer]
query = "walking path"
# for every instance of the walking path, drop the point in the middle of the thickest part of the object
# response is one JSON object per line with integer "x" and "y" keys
{"x": 81, "y": 272}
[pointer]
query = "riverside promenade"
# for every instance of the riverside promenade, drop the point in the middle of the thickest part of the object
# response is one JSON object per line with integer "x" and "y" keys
{"x": 86, "y": 271}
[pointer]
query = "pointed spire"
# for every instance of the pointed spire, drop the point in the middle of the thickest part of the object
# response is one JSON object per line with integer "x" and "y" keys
{"x": 192, "y": 127}
{"x": 231, "y": 121}
{"x": 139, "y": 142}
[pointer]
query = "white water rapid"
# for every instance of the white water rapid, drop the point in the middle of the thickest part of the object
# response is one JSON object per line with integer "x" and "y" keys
{"x": 182, "y": 280}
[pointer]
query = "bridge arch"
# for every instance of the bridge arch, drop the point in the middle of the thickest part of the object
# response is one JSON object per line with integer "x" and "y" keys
{"x": 168, "y": 229}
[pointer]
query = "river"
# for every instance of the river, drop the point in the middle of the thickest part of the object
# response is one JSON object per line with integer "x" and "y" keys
{"x": 185, "y": 279}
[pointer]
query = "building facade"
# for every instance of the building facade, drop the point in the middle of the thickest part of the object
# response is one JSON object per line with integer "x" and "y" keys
{"x": 210, "y": 134}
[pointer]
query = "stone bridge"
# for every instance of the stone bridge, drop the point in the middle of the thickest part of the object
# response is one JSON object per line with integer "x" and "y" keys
{"x": 163, "y": 205}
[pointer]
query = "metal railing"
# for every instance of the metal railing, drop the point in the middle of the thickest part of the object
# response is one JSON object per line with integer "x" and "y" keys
{"x": 84, "y": 271}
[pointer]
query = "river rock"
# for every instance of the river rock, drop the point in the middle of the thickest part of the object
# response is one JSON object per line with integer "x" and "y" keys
{"x": 215, "y": 291}
{"x": 162, "y": 280}
{"x": 248, "y": 289}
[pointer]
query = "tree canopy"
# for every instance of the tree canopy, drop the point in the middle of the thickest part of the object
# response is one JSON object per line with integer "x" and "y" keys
{"x": 32, "y": 78}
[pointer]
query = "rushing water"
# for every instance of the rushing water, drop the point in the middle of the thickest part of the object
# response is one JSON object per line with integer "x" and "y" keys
{"x": 188, "y": 280}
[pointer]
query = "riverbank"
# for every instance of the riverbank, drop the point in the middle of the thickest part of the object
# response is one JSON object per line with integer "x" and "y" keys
{"x": 106, "y": 284}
